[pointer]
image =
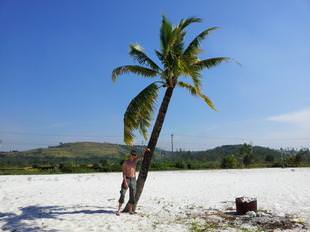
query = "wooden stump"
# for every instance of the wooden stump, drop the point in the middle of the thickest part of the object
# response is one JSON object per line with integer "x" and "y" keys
{"x": 245, "y": 204}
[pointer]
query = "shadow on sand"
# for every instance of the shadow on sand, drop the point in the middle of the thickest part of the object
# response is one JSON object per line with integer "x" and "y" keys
{"x": 25, "y": 221}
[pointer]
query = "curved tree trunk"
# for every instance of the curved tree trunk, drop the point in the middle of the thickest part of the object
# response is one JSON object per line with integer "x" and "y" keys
{"x": 146, "y": 162}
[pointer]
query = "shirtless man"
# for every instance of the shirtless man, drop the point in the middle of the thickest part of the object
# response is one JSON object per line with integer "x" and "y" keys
{"x": 129, "y": 180}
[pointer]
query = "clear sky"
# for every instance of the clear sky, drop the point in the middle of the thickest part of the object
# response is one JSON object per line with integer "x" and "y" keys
{"x": 56, "y": 58}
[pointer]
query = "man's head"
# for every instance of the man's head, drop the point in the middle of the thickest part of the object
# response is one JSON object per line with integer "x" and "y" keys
{"x": 133, "y": 155}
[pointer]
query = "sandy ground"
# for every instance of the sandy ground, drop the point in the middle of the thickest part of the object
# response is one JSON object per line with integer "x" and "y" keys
{"x": 86, "y": 202}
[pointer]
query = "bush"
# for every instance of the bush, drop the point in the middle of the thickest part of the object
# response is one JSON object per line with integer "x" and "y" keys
{"x": 230, "y": 161}
{"x": 269, "y": 158}
{"x": 180, "y": 164}
{"x": 66, "y": 167}
{"x": 248, "y": 159}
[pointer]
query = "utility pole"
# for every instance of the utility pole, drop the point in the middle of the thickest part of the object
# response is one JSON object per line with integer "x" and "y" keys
{"x": 171, "y": 142}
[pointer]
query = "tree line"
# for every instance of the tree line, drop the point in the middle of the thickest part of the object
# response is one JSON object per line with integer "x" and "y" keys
{"x": 230, "y": 156}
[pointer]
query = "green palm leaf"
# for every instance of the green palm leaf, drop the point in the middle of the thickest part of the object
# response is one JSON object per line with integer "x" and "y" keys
{"x": 172, "y": 39}
{"x": 159, "y": 55}
{"x": 191, "y": 71}
{"x": 211, "y": 62}
{"x": 136, "y": 69}
{"x": 195, "y": 91}
{"x": 139, "y": 113}
{"x": 208, "y": 101}
{"x": 136, "y": 51}
{"x": 165, "y": 32}
{"x": 186, "y": 22}
{"x": 194, "y": 46}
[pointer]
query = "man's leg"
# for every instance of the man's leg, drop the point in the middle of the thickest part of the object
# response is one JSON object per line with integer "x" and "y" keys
{"x": 132, "y": 193}
{"x": 119, "y": 208}
{"x": 121, "y": 200}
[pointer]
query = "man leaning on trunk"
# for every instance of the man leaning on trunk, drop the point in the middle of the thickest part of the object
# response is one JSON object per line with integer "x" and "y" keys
{"x": 129, "y": 180}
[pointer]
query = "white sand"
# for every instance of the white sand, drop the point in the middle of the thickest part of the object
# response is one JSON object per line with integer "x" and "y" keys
{"x": 85, "y": 202}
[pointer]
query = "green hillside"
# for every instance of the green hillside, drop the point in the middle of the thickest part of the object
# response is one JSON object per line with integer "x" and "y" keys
{"x": 78, "y": 149}
{"x": 79, "y": 153}
{"x": 219, "y": 153}
{"x": 92, "y": 156}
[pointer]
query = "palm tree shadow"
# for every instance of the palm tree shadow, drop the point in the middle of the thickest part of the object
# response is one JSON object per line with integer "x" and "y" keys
{"x": 25, "y": 221}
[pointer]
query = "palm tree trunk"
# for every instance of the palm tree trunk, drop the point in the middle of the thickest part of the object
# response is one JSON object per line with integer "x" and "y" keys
{"x": 146, "y": 162}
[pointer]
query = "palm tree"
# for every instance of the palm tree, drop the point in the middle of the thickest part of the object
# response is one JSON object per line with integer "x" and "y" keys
{"x": 177, "y": 61}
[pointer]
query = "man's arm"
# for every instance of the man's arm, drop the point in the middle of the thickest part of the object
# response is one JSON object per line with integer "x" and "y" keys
{"x": 124, "y": 174}
{"x": 146, "y": 151}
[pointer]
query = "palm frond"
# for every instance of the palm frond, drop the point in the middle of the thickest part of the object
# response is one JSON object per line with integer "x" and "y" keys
{"x": 172, "y": 38}
{"x": 211, "y": 62}
{"x": 177, "y": 36}
{"x": 189, "y": 70}
{"x": 194, "y": 46}
{"x": 197, "y": 92}
{"x": 176, "y": 42}
{"x": 137, "y": 52}
{"x": 208, "y": 101}
{"x": 139, "y": 113}
{"x": 136, "y": 69}
{"x": 186, "y": 22}
{"x": 193, "y": 90}
{"x": 159, "y": 55}
{"x": 165, "y": 32}
{"x": 196, "y": 78}
{"x": 174, "y": 46}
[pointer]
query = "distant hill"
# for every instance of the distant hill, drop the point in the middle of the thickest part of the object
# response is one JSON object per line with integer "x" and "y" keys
{"x": 259, "y": 154}
{"x": 92, "y": 152}
{"x": 219, "y": 153}
{"x": 78, "y": 152}
{"x": 70, "y": 150}
{"x": 79, "y": 149}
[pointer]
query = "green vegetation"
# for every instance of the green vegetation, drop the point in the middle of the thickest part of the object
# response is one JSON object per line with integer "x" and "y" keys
{"x": 196, "y": 226}
{"x": 85, "y": 157}
{"x": 204, "y": 227}
{"x": 230, "y": 161}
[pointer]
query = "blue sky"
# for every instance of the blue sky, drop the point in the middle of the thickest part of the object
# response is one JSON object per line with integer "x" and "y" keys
{"x": 56, "y": 59}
